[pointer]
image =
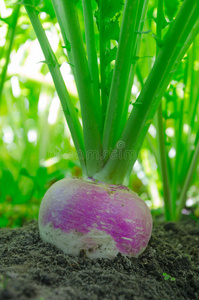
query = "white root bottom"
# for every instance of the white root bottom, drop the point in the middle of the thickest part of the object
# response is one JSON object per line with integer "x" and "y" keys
{"x": 95, "y": 244}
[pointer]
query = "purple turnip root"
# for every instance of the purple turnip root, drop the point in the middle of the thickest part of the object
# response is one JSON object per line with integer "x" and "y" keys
{"x": 99, "y": 219}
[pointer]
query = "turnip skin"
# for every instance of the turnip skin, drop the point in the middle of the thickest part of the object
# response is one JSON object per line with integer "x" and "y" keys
{"x": 98, "y": 218}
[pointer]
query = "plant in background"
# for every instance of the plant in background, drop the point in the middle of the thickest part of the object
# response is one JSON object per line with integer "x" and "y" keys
{"x": 31, "y": 144}
{"x": 176, "y": 141}
{"x": 97, "y": 213}
{"x": 168, "y": 277}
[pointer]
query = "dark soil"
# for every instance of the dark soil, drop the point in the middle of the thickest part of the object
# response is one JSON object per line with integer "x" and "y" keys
{"x": 31, "y": 269}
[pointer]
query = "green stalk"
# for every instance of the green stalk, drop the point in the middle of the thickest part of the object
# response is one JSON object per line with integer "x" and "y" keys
{"x": 178, "y": 39}
{"x": 92, "y": 54}
{"x": 68, "y": 108}
{"x": 192, "y": 166}
{"x": 58, "y": 8}
{"x": 142, "y": 9}
{"x": 8, "y": 47}
{"x": 175, "y": 180}
{"x": 194, "y": 84}
{"x": 102, "y": 44}
{"x": 192, "y": 104}
{"x": 90, "y": 41}
{"x": 187, "y": 102}
{"x": 112, "y": 127}
{"x": 91, "y": 116}
{"x": 152, "y": 145}
{"x": 160, "y": 128}
{"x": 163, "y": 164}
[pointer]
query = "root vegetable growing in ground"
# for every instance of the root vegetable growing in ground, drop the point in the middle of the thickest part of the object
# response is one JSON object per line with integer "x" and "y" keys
{"x": 98, "y": 214}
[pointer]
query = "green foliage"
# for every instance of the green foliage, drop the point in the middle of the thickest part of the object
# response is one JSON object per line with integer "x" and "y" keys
{"x": 40, "y": 6}
{"x": 168, "y": 277}
{"x": 171, "y": 8}
{"x": 108, "y": 21}
{"x": 29, "y": 167}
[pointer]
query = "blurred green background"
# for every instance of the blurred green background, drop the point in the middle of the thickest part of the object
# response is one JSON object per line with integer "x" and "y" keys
{"x": 36, "y": 148}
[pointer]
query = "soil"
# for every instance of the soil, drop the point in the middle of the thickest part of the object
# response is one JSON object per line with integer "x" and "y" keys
{"x": 168, "y": 269}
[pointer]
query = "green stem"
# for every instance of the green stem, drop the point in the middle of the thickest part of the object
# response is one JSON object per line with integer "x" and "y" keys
{"x": 91, "y": 50}
{"x": 58, "y": 7}
{"x": 8, "y": 47}
{"x": 153, "y": 147}
{"x": 192, "y": 99}
{"x": 142, "y": 9}
{"x": 194, "y": 90}
{"x": 112, "y": 127}
{"x": 68, "y": 108}
{"x": 91, "y": 116}
{"x": 92, "y": 54}
{"x": 175, "y": 180}
{"x": 160, "y": 128}
{"x": 178, "y": 39}
{"x": 192, "y": 166}
{"x": 102, "y": 44}
{"x": 163, "y": 165}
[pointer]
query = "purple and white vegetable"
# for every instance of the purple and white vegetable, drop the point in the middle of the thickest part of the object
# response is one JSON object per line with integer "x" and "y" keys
{"x": 104, "y": 217}
{"x": 99, "y": 218}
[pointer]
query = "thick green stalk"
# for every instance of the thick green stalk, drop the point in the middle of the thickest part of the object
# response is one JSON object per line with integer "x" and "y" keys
{"x": 91, "y": 50}
{"x": 192, "y": 166}
{"x": 68, "y": 108}
{"x": 92, "y": 54}
{"x": 8, "y": 47}
{"x": 91, "y": 116}
{"x": 142, "y": 9}
{"x": 178, "y": 39}
{"x": 112, "y": 127}
{"x": 192, "y": 99}
{"x": 102, "y": 44}
{"x": 160, "y": 127}
{"x": 58, "y": 7}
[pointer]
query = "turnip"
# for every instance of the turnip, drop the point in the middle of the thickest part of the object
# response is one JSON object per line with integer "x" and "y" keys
{"x": 99, "y": 218}
{"x": 98, "y": 214}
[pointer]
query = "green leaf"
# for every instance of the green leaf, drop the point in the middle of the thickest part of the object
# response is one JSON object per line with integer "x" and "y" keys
{"x": 20, "y": 199}
{"x": 67, "y": 45}
{"x": 159, "y": 42}
{"x": 112, "y": 30}
{"x": 3, "y": 221}
{"x": 165, "y": 23}
{"x": 137, "y": 103}
{"x": 107, "y": 19}
{"x": 8, "y": 185}
{"x": 41, "y": 177}
{"x": 135, "y": 59}
{"x": 47, "y": 7}
{"x": 110, "y": 55}
{"x": 24, "y": 172}
{"x": 111, "y": 8}
{"x": 171, "y": 8}
{"x": 40, "y": 6}
{"x": 50, "y": 63}
{"x": 143, "y": 32}
{"x": 109, "y": 76}
{"x": 41, "y": 172}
